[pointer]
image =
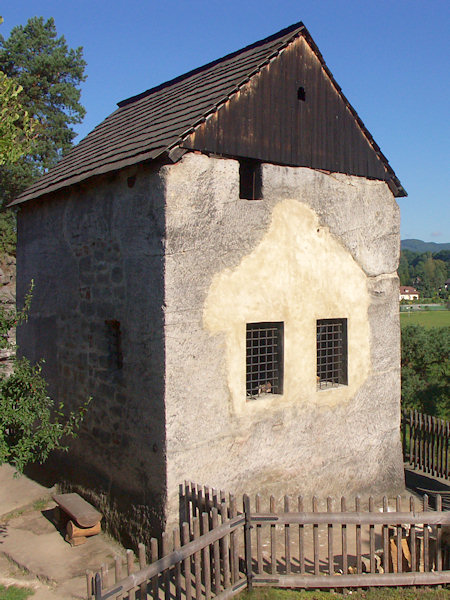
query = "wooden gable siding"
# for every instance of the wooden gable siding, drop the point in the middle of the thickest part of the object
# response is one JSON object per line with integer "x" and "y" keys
{"x": 265, "y": 120}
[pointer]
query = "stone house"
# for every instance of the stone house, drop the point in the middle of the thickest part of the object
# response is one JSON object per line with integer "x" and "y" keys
{"x": 183, "y": 255}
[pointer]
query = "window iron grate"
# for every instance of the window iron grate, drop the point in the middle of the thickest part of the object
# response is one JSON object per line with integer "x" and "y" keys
{"x": 264, "y": 358}
{"x": 331, "y": 353}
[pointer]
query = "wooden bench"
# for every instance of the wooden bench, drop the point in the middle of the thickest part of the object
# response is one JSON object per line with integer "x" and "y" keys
{"x": 79, "y": 518}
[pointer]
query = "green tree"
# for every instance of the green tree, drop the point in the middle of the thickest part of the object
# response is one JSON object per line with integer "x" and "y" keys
{"x": 426, "y": 370}
{"x": 50, "y": 73}
{"x": 30, "y": 425}
{"x": 17, "y": 130}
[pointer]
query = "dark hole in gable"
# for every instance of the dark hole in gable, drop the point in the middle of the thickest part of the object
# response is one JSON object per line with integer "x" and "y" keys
{"x": 250, "y": 179}
{"x": 301, "y": 94}
{"x": 114, "y": 340}
{"x": 131, "y": 181}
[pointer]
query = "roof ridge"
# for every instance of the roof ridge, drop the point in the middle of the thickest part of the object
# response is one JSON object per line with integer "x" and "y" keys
{"x": 283, "y": 32}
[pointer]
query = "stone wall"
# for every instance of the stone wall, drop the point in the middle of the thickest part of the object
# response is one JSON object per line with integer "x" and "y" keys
{"x": 8, "y": 302}
{"x": 317, "y": 246}
{"x": 95, "y": 253}
{"x": 144, "y": 283}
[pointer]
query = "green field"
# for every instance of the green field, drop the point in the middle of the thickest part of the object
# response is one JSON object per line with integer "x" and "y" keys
{"x": 426, "y": 318}
{"x": 372, "y": 594}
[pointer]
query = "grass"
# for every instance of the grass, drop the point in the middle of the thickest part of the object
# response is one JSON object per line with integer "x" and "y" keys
{"x": 40, "y": 504}
{"x": 438, "y": 318}
{"x": 13, "y": 592}
{"x": 372, "y": 594}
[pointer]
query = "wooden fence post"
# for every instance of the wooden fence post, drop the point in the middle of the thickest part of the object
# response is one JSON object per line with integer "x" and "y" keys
{"x": 98, "y": 586}
{"x": 248, "y": 543}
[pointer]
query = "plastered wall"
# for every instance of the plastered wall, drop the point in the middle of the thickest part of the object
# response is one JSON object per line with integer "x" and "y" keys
{"x": 317, "y": 246}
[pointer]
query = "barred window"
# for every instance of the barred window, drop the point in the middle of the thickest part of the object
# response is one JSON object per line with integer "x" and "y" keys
{"x": 331, "y": 353}
{"x": 264, "y": 358}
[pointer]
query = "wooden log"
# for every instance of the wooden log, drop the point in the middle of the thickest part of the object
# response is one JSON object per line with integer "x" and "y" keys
{"x": 73, "y": 531}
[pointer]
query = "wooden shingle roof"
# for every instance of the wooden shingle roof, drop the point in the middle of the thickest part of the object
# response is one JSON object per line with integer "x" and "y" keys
{"x": 155, "y": 122}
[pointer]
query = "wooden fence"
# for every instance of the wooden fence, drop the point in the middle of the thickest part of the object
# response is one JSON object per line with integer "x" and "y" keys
{"x": 426, "y": 443}
{"x": 221, "y": 551}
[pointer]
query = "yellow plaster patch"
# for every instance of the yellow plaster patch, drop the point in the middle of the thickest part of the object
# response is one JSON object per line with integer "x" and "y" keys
{"x": 297, "y": 274}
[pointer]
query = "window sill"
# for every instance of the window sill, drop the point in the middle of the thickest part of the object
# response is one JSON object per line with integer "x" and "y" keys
{"x": 263, "y": 396}
{"x": 329, "y": 385}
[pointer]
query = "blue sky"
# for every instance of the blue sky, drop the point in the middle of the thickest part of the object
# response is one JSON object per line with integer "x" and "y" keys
{"x": 391, "y": 59}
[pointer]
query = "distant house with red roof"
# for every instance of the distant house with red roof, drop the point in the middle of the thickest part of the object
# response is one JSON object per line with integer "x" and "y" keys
{"x": 408, "y": 293}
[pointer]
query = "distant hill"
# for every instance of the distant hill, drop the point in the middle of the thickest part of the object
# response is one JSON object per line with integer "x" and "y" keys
{"x": 420, "y": 246}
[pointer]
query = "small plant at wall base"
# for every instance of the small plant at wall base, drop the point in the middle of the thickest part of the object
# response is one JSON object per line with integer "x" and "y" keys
{"x": 30, "y": 424}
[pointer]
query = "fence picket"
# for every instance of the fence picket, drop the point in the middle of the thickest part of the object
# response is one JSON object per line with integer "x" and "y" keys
{"x": 316, "y": 548}
{"x": 206, "y": 559}
{"x": 259, "y": 558}
{"x": 185, "y": 538}
{"x": 197, "y": 561}
{"x": 177, "y": 568}
{"x": 412, "y": 537}
{"x": 287, "y": 538}
{"x": 225, "y": 548}
{"x": 399, "y": 538}
{"x": 330, "y": 539}
{"x": 386, "y": 561}
{"x": 89, "y": 584}
{"x": 234, "y": 549}
{"x": 142, "y": 564}
{"x": 301, "y": 539}
{"x": 166, "y": 549}
{"x": 344, "y": 539}
{"x": 216, "y": 552}
{"x": 438, "y": 536}
{"x": 371, "y": 539}
{"x": 426, "y": 538}
{"x": 273, "y": 541}
{"x": 130, "y": 569}
{"x": 154, "y": 558}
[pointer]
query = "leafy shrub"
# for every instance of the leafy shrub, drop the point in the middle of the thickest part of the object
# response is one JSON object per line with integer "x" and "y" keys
{"x": 30, "y": 424}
